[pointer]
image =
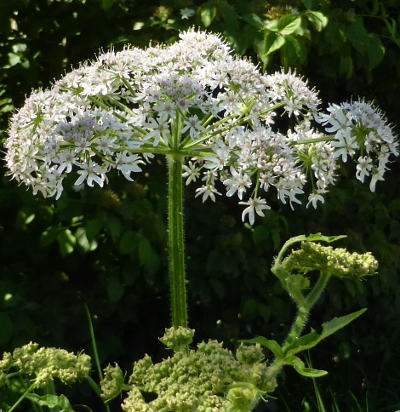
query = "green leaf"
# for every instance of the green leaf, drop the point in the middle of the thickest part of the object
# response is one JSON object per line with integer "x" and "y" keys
{"x": 318, "y": 237}
{"x": 273, "y": 42}
{"x": 317, "y": 19}
{"x": 375, "y": 51}
{"x": 93, "y": 228}
{"x": 358, "y": 36}
{"x": 207, "y": 15}
{"x": 107, "y": 4}
{"x": 83, "y": 240}
{"x": 270, "y": 344}
{"x": 115, "y": 289}
{"x": 66, "y": 242}
{"x": 307, "y": 4}
{"x": 145, "y": 250}
{"x": 293, "y": 51}
{"x": 49, "y": 235}
{"x": 254, "y": 20}
{"x": 301, "y": 368}
{"x": 346, "y": 66}
{"x": 328, "y": 328}
{"x": 288, "y": 24}
{"x": 52, "y": 401}
{"x": 129, "y": 242}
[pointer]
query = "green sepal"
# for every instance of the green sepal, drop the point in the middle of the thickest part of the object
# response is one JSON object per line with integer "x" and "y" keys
{"x": 328, "y": 328}
{"x": 51, "y": 401}
{"x": 301, "y": 368}
{"x": 270, "y": 344}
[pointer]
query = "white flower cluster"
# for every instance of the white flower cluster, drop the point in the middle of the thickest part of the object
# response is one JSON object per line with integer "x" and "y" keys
{"x": 360, "y": 129}
{"x": 196, "y": 100}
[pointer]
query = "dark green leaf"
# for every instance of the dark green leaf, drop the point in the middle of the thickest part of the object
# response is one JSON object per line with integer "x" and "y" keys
{"x": 317, "y": 19}
{"x": 293, "y": 51}
{"x": 107, "y": 4}
{"x": 273, "y": 42}
{"x": 375, "y": 51}
{"x": 49, "y": 235}
{"x": 115, "y": 289}
{"x": 66, "y": 242}
{"x": 93, "y": 228}
{"x": 254, "y": 20}
{"x": 358, "y": 36}
{"x": 129, "y": 242}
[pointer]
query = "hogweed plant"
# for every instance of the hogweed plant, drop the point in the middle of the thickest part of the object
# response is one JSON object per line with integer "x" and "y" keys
{"x": 224, "y": 127}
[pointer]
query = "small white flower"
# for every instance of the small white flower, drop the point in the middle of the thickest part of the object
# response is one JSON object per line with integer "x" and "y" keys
{"x": 364, "y": 166}
{"x": 254, "y": 205}
{"x": 191, "y": 172}
{"x": 91, "y": 172}
{"x": 314, "y": 198}
{"x": 207, "y": 191}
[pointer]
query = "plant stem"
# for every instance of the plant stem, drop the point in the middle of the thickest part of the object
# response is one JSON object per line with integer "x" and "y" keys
{"x": 297, "y": 327}
{"x": 22, "y": 397}
{"x": 176, "y": 242}
{"x": 95, "y": 353}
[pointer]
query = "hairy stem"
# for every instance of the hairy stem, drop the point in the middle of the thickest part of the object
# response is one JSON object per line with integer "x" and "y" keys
{"x": 176, "y": 242}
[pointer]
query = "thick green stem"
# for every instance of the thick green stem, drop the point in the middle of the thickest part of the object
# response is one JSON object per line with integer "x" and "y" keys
{"x": 176, "y": 242}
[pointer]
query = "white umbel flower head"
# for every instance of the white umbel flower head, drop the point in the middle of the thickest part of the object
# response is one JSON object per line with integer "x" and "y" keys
{"x": 196, "y": 100}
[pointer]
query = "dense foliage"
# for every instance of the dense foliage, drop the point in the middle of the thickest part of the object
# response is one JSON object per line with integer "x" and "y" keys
{"x": 107, "y": 247}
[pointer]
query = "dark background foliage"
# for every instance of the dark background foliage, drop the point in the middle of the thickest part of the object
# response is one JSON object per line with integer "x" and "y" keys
{"x": 107, "y": 248}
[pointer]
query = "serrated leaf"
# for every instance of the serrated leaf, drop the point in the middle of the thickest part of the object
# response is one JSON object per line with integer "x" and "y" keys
{"x": 328, "y": 328}
{"x": 273, "y": 42}
{"x": 317, "y": 19}
{"x": 270, "y": 344}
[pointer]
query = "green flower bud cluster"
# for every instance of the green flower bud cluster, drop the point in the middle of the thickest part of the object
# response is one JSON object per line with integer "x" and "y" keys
{"x": 45, "y": 364}
{"x": 334, "y": 261}
{"x": 208, "y": 379}
{"x": 177, "y": 338}
{"x": 112, "y": 383}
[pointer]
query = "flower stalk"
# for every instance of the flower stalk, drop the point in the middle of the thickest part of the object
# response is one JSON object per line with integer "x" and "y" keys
{"x": 176, "y": 242}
